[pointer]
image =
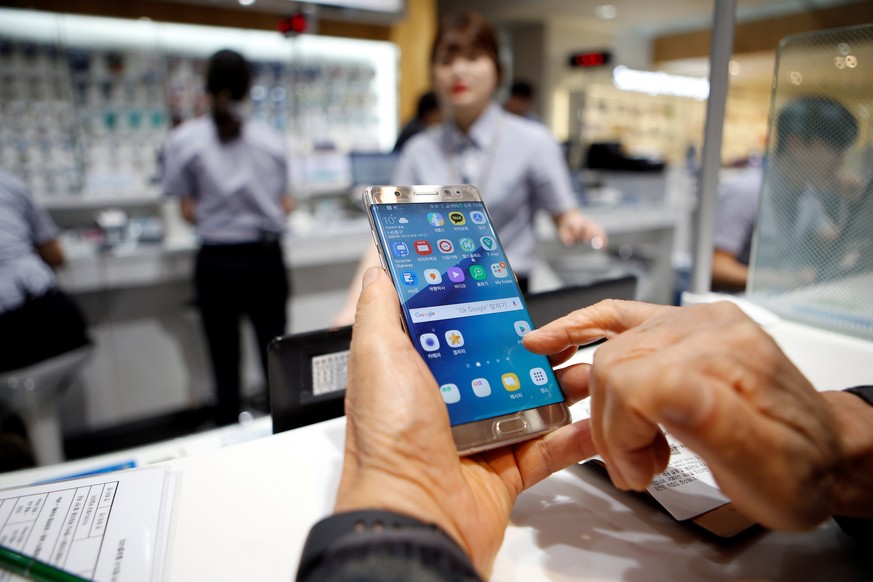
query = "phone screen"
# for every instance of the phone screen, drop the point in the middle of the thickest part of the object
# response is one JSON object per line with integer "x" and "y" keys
{"x": 463, "y": 308}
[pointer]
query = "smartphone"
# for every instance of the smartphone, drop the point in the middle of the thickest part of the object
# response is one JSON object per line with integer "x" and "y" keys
{"x": 465, "y": 313}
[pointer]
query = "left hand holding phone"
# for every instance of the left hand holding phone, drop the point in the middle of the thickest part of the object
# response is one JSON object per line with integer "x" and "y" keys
{"x": 399, "y": 451}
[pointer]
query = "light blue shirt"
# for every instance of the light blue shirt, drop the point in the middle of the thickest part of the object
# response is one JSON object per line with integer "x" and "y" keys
{"x": 238, "y": 185}
{"x": 737, "y": 212}
{"x": 515, "y": 163}
{"x": 792, "y": 224}
{"x": 23, "y": 226}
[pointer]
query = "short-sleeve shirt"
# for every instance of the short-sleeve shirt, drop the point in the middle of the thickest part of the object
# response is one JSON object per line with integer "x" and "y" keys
{"x": 23, "y": 226}
{"x": 238, "y": 185}
{"x": 790, "y": 218}
{"x": 515, "y": 163}
{"x": 737, "y": 212}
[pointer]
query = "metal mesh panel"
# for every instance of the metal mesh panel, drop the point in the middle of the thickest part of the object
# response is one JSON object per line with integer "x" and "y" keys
{"x": 812, "y": 253}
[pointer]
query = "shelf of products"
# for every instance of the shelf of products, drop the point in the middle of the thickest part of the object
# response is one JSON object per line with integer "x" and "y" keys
{"x": 86, "y": 103}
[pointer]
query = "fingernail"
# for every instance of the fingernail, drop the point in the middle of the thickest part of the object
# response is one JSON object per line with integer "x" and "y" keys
{"x": 369, "y": 276}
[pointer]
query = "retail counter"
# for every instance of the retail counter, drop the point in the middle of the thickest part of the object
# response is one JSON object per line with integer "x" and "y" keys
{"x": 151, "y": 358}
{"x": 253, "y": 503}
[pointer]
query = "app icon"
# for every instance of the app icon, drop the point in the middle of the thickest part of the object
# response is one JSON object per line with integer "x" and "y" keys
{"x": 433, "y": 276}
{"x": 478, "y": 272}
{"x": 409, "y": 278}
{"x": 478, "y": 217}
{"x": 488, "y": 243}
{"x": 435, "y": 219}
{"x": 467, "y": 245}
{"x": 422, "y": 247}
{"x": 457, "y": 218}
{"x": 510, "y": 382}
{"x": 521, "y": 327}
{"x": 456, "y": 274}
{"x": 481, "y": 387}
{"x": 429, "y": 342}
{"x": 450, "y": 393}
{"x": 445, "y": 245}
{"x": 400, "y": 249}
{"x": 454, "y": 339}
{"x": 538, "y": 375}
{"x": 499, "y": 270}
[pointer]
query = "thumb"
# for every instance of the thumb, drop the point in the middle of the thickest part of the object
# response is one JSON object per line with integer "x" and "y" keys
{"x": 378, "y": 308}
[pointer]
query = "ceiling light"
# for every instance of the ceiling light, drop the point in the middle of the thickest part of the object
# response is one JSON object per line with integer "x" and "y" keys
{"x": 246, "y": 2}
{"x": 606, "y": 12}
{"x": 657, "y": 83}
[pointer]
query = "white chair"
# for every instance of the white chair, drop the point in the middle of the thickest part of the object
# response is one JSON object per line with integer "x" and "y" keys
{"x": 33, "y": 393}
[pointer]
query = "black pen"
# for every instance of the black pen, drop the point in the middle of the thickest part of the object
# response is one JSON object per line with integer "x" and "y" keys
{"x": 34, "y": 569}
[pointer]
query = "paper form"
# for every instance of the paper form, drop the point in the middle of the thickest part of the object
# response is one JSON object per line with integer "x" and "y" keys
{"x": 686, "y": 488}
{"x": 109, "y": 527}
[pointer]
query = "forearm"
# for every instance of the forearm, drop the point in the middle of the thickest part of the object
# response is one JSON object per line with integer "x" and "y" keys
{"x": 52, "y": 253}
{"x": 188, "y": 208}
{"x": 728, "y": 273}
{"x": 853, "y": 485}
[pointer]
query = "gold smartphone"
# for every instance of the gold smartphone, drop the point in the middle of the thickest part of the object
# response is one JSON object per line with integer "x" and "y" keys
{"x": 465, "y": 313}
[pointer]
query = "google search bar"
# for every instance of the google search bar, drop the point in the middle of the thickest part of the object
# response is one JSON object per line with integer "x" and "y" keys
{"x": 471, "y": 309}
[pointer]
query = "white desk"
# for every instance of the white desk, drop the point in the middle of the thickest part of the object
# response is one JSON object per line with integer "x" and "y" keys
{"x": 243, "y": 512}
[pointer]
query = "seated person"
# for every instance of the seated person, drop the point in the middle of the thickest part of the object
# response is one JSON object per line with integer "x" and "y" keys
{"x": 806, "y": 196}
{"x": 409, "y": 508}
{"x": 38, "y": 320}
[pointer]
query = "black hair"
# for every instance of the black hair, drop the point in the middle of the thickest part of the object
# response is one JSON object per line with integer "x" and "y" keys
{"x": 815, "y": 117}
{"x": 522, "y": 89}
{"x": 228, "y": 77}
{"x": 467, "y": 32}
{"x": 427, "y": 103}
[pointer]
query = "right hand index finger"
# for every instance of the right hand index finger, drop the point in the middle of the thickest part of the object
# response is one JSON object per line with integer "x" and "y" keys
{"x": 605, "y": 319}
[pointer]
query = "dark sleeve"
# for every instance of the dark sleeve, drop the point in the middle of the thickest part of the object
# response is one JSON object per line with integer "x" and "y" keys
{"x": 389, "y": 551}
{"x": 856, "y": 527}
{"x": 393, "y": 556}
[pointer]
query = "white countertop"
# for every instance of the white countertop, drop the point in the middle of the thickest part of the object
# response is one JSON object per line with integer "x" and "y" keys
{"x": 242, "y": 512}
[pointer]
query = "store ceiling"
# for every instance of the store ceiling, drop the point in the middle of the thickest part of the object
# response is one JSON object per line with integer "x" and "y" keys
{"x": 649, "y": 18}
{"x": 641, "y": 18}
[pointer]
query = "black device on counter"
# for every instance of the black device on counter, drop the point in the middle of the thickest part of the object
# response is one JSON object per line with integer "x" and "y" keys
{"x": 307, "y": 376}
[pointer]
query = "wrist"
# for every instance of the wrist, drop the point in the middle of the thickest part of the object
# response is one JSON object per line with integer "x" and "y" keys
{"x": 403, "y": 496}
{"x": 854, "y": 470}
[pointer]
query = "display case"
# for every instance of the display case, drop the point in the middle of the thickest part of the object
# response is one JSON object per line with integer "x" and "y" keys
{"x": 87, "y": 102}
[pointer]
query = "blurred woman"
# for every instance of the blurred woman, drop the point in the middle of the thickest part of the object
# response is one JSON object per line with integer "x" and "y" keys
{"x": 231, "y": 178}
{"x": 515, "y": 163}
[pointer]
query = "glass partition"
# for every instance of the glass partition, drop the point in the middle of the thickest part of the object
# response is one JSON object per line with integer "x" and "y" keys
{"x": 812, "y": 254}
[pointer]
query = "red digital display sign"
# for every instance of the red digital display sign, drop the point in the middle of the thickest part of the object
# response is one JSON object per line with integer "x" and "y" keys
{"x": 590, "y": 59}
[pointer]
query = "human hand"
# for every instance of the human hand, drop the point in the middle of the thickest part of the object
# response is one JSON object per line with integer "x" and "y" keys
{"x": 719, "y": 384}
{"x": 288, "y": 204}
{"x": 573, "y": 227}
{"x": 399, "y": 452}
